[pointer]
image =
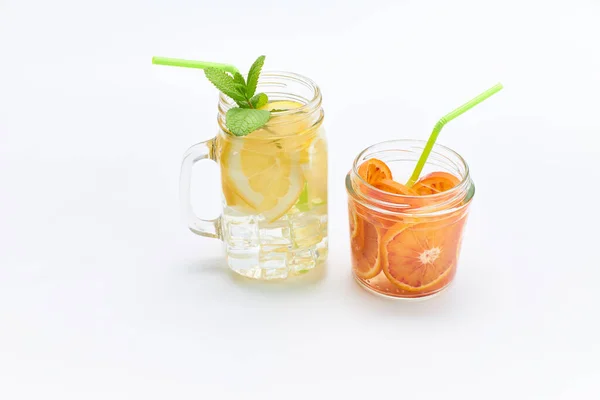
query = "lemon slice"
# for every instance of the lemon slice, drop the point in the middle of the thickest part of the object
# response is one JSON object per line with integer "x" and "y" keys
{"x": 234, "y": 201}
{"x": 264, "y": 171}
{"x": 266, "y": 178}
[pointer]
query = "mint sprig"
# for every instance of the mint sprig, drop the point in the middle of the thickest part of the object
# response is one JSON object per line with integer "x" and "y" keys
{"x": 246, "y": 118}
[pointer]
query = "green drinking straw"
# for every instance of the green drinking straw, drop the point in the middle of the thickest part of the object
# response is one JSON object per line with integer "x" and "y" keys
{"x": 440, "y": 124}
{"x": 178, "y": 62}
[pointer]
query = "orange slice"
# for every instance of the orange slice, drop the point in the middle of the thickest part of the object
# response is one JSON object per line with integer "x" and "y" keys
{"x": 435, "y": 182}
{"x": 374, "y": 170}
{"x": 355, "y": 222}
{"x": 366, "y": 259}
{"x": 393, "y": 188}
{"x": 390, "y": 186}
{"x": 421, "y": 257}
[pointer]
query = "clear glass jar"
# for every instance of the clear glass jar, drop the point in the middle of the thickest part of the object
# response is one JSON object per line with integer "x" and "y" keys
{"x": 407, "y": 246}
{"x": 274, "y": 184}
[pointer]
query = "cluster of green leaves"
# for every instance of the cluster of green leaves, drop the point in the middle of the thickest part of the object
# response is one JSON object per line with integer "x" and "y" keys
{"x": 246, "y": 118}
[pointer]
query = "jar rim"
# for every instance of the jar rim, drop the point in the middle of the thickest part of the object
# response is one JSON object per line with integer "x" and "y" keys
{"x": 400, "y": 201}
{"x": 279, "y": 78}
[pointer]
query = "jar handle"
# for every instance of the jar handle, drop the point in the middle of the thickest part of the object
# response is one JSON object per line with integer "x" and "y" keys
{"x": 203, "y": 227}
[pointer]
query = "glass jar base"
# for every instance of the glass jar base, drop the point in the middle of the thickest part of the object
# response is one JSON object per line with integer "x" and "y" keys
{"x": 275, "y": 274}
{"x": 415, "y": 298}
{"x": 278, "y": 265}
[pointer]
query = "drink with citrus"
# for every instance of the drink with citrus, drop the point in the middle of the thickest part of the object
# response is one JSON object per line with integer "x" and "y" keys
{"x": 272, "y": 154}
{"x": 274, "y": 183}
{"x": 406, "y": 240}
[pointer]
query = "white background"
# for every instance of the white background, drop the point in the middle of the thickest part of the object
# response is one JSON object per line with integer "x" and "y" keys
{"x": 105, "y": 294}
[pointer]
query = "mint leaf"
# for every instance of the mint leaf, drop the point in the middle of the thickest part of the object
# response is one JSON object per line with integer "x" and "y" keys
{"x": 225, "y": 83}
{"x": 253, "y": 76}
{"x": 259, "y": 100}
{"x": 238, "y": 78}
{"x": 242, "y": 121}
{"x": 242, "y": 89}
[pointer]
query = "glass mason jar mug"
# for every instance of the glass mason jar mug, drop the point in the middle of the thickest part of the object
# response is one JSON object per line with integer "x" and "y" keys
{"x": 407, "y": 246}
{"x": 274, "y": 183}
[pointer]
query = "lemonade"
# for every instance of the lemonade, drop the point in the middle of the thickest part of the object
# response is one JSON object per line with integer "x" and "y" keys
{"x": 274, "y": 185}
{"x": 272, "y": 154}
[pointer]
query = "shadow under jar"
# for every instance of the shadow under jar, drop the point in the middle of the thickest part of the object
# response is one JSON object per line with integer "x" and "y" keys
{"x": 407, "y": 246}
